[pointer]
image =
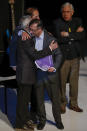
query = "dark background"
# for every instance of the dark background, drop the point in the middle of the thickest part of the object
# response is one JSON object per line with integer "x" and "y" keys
{"x": 50, "y": 9}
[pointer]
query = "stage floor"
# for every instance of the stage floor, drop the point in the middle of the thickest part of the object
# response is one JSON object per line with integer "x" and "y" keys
{"x": 72, "y": 121}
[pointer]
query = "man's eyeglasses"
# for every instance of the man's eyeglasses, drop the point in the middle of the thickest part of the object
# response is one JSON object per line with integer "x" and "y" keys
{"x": 34, "y": 30}
{"x": 66, "y": 11}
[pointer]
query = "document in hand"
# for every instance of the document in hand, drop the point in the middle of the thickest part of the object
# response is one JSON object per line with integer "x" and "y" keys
{"x": 44, "y": 63}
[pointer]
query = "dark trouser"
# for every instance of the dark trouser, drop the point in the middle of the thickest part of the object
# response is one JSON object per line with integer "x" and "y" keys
{"x": 22, "y": 109}
{"x": 51, "y": 84}
{"x": 33, "y": 109}
{"x": 70, "y": 71}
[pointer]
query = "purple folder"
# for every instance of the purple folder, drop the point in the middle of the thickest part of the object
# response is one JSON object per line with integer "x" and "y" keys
{"x": 44, "y": 63}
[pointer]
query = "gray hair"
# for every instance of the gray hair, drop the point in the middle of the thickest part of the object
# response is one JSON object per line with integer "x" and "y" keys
{"x": 24, "y": 21}
{"x": 67, "y": 4}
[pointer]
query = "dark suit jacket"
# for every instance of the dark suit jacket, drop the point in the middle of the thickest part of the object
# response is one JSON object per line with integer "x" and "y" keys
{"x": 56, "y": 55}
{"x": 13, "y": 46}
{"x": 75, "y": 38}
{"x": 12, "y": 51}
{"x": 26, "y": 54}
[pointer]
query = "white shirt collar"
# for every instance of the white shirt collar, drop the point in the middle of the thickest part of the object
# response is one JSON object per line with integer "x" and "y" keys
{"x": 41, "y": 36}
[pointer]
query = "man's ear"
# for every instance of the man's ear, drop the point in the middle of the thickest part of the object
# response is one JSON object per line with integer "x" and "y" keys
{"x": 72, "y": 12}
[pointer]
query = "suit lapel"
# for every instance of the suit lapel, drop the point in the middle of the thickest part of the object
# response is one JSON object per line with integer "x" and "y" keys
{"x": 44, "y": 41}
{"x": 34, "y": 40}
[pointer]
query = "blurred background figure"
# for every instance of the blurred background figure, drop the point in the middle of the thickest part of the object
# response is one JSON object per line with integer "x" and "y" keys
{"x": 69, "y": 32}
{"x": 33, "y": 12}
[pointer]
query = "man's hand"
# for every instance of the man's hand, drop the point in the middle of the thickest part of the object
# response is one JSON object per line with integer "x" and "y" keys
{"x": 80, "y": 29}
{"x": 64, "y": 34}
{"x": 53, "y": 45}
{"x": 51, "y": 69}
{"x": 25, "y": 36}
{"x": 14, "y": 68}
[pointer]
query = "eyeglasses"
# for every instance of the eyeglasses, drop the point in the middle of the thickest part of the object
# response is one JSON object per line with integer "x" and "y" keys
{"x": 35, "y": 16}
{"x": 66, "y": 11}
{"x": 34, "y": 30}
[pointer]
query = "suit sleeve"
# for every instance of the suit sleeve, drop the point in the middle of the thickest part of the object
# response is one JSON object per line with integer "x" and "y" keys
{"x": 12, "y": 51}
{"x": 72, "y": 35}
{"x": 32, "y": 52}
{"x": 57, "y": 58}
{"x": 13, "y": 47}
{"x": 77, "y": 35}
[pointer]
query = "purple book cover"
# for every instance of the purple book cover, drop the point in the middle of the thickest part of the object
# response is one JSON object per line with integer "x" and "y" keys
{"x": 44, "y": 63}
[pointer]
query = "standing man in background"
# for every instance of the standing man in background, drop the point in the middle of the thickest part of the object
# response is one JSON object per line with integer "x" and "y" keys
{"x": 69, "y": 32}
{"x": 33, "y": 12}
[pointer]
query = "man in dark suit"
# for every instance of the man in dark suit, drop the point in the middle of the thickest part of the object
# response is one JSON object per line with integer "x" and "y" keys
{"x": 34, "y": 13}
{"x": 25, "y": 73}
{"x": 48, "y": 79}
{"x": 70, "y": 33}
